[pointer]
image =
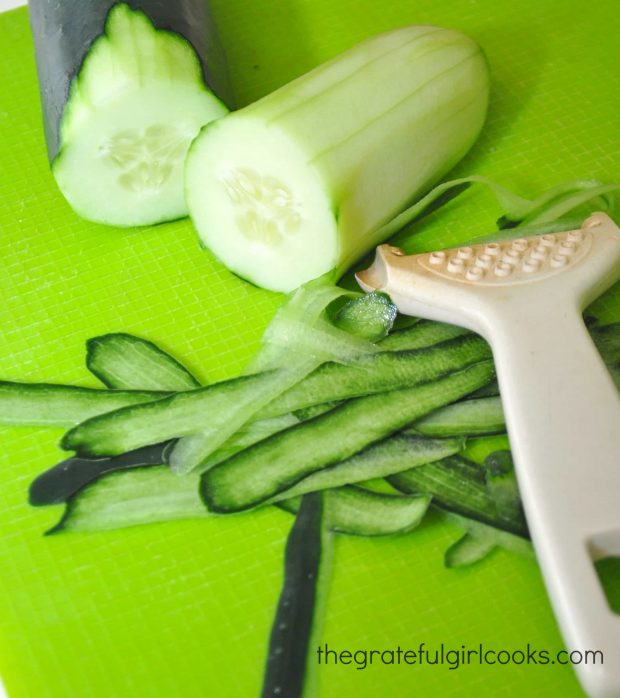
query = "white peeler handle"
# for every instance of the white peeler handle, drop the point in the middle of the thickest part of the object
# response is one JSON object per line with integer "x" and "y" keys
{"x": 563, "y": 415}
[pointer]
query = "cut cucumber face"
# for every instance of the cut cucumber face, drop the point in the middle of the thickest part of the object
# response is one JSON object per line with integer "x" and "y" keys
{"x": 259, "y": 204}
{"x": 299, "y": 183}
{"x": 131, "y": 112}
{"x": 124, "y": 165}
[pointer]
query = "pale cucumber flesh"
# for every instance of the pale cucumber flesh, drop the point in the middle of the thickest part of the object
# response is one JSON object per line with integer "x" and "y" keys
{"x": 296, "y": 184}
{"x": 135, "y": 106}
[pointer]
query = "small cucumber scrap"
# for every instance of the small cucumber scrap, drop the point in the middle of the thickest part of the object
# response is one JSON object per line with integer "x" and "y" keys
{"x": 482, "y": 416}
{"x": 470, "y": 548}
{"x": 50, "y": 405}
{"x": 124, "y": 361}
{"x": 130, "y": 498}
{"x": 357, "y": 511}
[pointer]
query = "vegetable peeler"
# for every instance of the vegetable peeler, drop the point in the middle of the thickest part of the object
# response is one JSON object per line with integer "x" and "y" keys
{"x": 562, "y": 409}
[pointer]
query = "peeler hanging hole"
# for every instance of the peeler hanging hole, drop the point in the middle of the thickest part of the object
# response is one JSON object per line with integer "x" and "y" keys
{"x": 608, "y": 571}
{"x": 604, "y": 550}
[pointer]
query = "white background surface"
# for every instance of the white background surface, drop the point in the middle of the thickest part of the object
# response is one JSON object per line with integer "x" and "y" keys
{"x": 10, "y": 4}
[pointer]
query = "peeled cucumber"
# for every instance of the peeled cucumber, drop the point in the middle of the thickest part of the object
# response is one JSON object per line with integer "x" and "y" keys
{"x": 124, "y": 92}
{"x": 301, "y": 182}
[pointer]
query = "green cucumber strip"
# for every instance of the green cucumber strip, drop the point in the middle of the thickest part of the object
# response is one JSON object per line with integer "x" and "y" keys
{"x": 196, "y": 450}
{"x": 359, "y": 512}
{"x": 503, "y": 539}
{"x": 466, "y": 418}
{"x": 424, "y": 333}
{"x": 490, "y": 390}
{"x": 180, "y": 414}
{"x": 60, "y": 483}
{"x": 188, "y": 413}
{"x": 247, "y": 436}
{"x": 277, "y": 463}
{"x": 456, "y": 484}
{"x": 502, "y": 486}
{"x": 132, "y": 497}
{"x": 470, "y": 548}
{"x": 289, "y": 665}
{"x": 305, "y": 413}
{"x": 193, "y": 450}
{"x": 392, "y": 455}
{"x": 379, "y": 373}
{"x": 126, "y": 362}
{"x": 51, "y": 405}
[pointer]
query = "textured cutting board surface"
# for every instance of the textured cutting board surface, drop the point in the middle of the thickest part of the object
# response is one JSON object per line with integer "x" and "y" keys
{"x": 184, "y": 609}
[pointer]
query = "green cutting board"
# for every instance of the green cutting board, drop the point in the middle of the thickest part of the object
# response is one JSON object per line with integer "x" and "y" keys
{"x": 184, "y": 609}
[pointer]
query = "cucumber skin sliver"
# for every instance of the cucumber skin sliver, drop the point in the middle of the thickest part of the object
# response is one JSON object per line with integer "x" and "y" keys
{"x": 471, "y": 417}
{"x": 290, "y": 668}
{"x": 255, "y": 475}
{"x": 379, "y": 373}
{"x": 394, "y": 454}
{"x": 358, "y": 512}
{"x": 187, "y": 413}
{"x": 395, "y": 113}
{"x": 125, "y": 362}
{"x": 50, "y": 405}
{"x": 132, "y": 497}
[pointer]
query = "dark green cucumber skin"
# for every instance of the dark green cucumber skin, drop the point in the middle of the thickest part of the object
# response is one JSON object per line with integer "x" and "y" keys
{"x": 458, "y": 485}
{"x": 292, "y": 626}
{"x": 58, "y": 484}
{"x": 64, "y": 31}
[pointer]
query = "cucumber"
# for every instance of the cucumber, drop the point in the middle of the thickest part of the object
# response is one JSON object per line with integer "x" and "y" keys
{"x": 145, "y": 495}
{"x": 301, "y": 182}
{"x": 458, "y": 485}
{"x": 50, "y": 405}
{"x": 60, "y": 483}
{"x": 271, "y": 466}
{"x": 190, "y": 412}
{"x": 288, "y": 669}
{"x": 123, "y": 94}
{"x": 471, "y": 547}
{"x": 395, "y": 454}
{"x": 359, "y": 323}
{"x": 424, "y": 333}
{"x": 516, "y": 543}
{"x": 379, "y": 373}
{"x": 130, "y": 498}
{"x": 359, "y": 512}
{"x": 467, "y": 418}
{"x": 370, "y": 317}
{"x": 502, "y": 486}
{"x": 123, "y": 361}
